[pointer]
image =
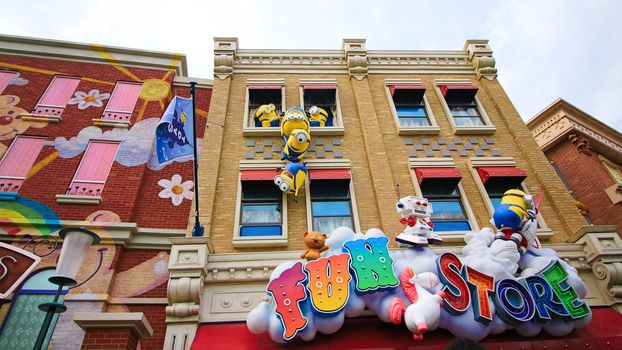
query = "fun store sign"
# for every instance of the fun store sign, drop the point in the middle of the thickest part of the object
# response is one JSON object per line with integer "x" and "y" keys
{"x": 470, "y": 297}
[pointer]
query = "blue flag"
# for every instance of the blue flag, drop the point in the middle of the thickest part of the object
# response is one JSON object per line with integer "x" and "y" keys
{"x": 174, "y": 133}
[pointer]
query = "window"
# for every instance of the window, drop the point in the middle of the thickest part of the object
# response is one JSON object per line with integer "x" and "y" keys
{"x": 615, "y": 173}
{"x": 261, "y": 209}
{"x": 331, "y": 205}
{"x": 322, "y": 96}
{"x": 5, "y": 79}
{"x": 262, "y": 95}
{"x": 122, "y": 102}
{"x": 55, "y": 98}
{"x": 440, "y": 187}
{"x": 93, "y": 170}
{"x": 461, "y": 102}
{"x": 24, "y": 320}
{"x": 497, "y": 180}
{"x": 17, "y": 162}
{"x": 410, "y": 105}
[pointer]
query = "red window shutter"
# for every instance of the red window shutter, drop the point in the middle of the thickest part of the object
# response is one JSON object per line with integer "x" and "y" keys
{"x": 17, "y": 162}
{"x": 508, "y": 172}
{"x": 437, "y": 173}
{"x": 269, "y": 87}
{"x": 56, "y": 96}
{"x": 94, "y": 168}
{"x": 320, "y": 87}
{"x": 258, "y": 175}
{"x": 122, "y": 101}
{"x": 5, "y": 79}
{"x": 329, "y": 174}
{"x": 464, "y": 91}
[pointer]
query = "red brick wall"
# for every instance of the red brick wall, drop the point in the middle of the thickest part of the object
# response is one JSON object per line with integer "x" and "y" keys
{"x": 588, "y": 178}
{"x": 114, "y": 338}
{"x": 156, "y": 316}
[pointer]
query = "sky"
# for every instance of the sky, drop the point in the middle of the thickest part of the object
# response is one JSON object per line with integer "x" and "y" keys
{"x": 543, "y": 49}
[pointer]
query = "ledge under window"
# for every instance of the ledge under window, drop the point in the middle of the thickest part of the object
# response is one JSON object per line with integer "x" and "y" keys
{"x": 41, "y": 118}
{"x": 111, "y": 123}
{"x": 419, "y": 130}
{"x": 475, "y": 130}
{"x": 8, "y": 196}
{"x": 245, "y": 242}
{"x": 72, "y": 199}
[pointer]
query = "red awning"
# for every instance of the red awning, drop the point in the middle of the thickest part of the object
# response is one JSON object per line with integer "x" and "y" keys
{"x": 258, "y": 87}
{"x": 319, "y": 87}
{"x": 485, "y": 173}
{"x": 446, "y": 88}
{"x": 329, "y": 174}
{"x": 258, "y": 175}
{"x": 437, "y": 173}
{"x": 392, "y": 88}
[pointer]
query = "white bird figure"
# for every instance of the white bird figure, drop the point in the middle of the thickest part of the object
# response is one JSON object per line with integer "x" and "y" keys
{"x": 424, "y": 312}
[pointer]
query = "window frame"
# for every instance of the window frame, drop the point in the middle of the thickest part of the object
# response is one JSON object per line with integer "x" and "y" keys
{"x": 353, "y": 206}
{"x": 486, "y": 129}
{"x": 248, "y": 128}
{"x": 609, "y": 167}
{"x": 544, "y": 231}
{"x": 432, "y": 129}
{"x": 338, "y": 126}
{"x": 448, "y": 236}
{"x": 239, "y": 241}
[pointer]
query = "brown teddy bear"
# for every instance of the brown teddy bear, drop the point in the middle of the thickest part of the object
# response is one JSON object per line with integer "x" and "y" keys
{"x": 315, "y": 241}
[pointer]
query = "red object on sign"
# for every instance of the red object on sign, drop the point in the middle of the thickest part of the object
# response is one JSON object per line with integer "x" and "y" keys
{"x": 329, "y": 174}
{"x": 258, "y": 175}
{"x": 437, "y": 173}
{"x": 257, "y": 87}
{"x": 485, "y": 173}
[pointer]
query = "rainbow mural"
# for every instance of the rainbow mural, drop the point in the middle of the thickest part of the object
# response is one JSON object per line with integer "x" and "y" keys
{"x": 27, "y": 216}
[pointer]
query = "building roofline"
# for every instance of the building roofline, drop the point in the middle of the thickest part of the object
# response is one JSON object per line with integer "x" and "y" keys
{"x": 92, "y": 53}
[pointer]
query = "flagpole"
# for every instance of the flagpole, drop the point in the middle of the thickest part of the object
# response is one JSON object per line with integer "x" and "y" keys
{"x": 197, "y": 231}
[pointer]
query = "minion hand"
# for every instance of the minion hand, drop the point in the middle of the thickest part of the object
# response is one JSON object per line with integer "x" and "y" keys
{"x": 314, "y": 110}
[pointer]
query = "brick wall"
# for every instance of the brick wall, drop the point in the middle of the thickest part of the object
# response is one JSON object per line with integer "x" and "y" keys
{"x": 156, "y": 316}
{"x": 587, "y": 178}
{"x": 110, "y": 339}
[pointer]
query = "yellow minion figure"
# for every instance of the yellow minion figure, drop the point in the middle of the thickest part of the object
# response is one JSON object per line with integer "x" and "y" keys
{"x": 266, "y": 115}
{"x": 295, "y": 118}
{"x": 296, "y": 146}
{"x": 292, "y": 178}
{"x": 513, "y": 210}
{"x": 317, "y": 116}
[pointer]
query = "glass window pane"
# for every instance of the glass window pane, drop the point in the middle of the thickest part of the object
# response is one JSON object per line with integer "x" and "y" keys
{"x": 411, "y": 111}
{"x": 443, "y": 226}
{"x": 260, "y": 231}
{"x": 328, "y": 224}
{"x": 332, "y": 208}
{"x": 447, "y": 209}
{"x": 414, "y": 121}
{"x": 260, "y": 190}
{"x": 464, "y": 111}
{"x": 261, "y": 213}
{"x": 468, "y": 121}
{"x": 495, "y": 201}
{"x": 330, "y": 188}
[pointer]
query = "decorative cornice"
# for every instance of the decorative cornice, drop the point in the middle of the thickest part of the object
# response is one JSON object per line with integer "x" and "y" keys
{"x": 480, "y": 55}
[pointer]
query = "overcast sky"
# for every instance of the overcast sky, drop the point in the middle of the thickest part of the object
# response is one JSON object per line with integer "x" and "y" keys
{"x": 544, "y": 49}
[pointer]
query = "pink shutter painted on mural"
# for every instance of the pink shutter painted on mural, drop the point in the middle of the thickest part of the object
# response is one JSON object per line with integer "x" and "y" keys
{"x": 18, "y": 161}
{"x": 56, "y": 96}
{"x": 94, "y": 168}
{"x": 5, "y": 79}
{"x": 122, "y": 102}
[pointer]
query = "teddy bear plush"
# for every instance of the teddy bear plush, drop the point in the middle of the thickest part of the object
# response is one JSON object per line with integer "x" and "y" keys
{"x": 315, "y": 243}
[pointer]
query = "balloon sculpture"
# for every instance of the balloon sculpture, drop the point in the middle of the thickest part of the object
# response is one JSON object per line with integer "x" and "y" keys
{"x": 295, "y": 131}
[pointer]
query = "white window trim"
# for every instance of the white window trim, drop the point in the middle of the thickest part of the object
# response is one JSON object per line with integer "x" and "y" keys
{"x": 448, "y": 236}
{"x": 544, "y": 232}
{"x": 607, "y": 164}
{"x": 258, "y": 241}
{"x": 432, "y": 129}
{"x": 486, "y": 129}
{"x": 337, "y": 128}
{"x": 251, "y": 130}
{"x": 355, "y": 215}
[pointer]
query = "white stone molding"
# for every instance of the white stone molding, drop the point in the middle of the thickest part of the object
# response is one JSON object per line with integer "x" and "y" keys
{"x": 224, "y": 56}
{"x": 602, "y": 247}
{"x": 356, "y": 56}
{"x": 480, "y": 55}
{"x": 136, "y": 321}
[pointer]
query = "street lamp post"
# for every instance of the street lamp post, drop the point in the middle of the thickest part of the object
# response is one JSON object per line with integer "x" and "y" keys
{"x": 76, "y": 242}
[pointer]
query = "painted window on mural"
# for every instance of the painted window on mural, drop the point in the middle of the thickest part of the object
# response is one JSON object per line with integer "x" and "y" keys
{"x": 94, "y": 168}
{"x": 261, "y": 209}
{"x": 5, "y": 79}
{"x": 24, "y": 320}
{"x": 259, "y": 95}
{"x": 444, "y": 195}
{"x": 462, "y": 104}
{"x": 331, "y": 205}
{"x": 17, "y": 162}
{"x": 56, "y": 96}
{"x": 324, "y": 97}
{"x": 410, "y": 105}
{"x": 122, "y": 101}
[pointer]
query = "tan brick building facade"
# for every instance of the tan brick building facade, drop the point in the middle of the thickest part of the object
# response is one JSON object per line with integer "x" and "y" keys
{"x": 224, "y": 274}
